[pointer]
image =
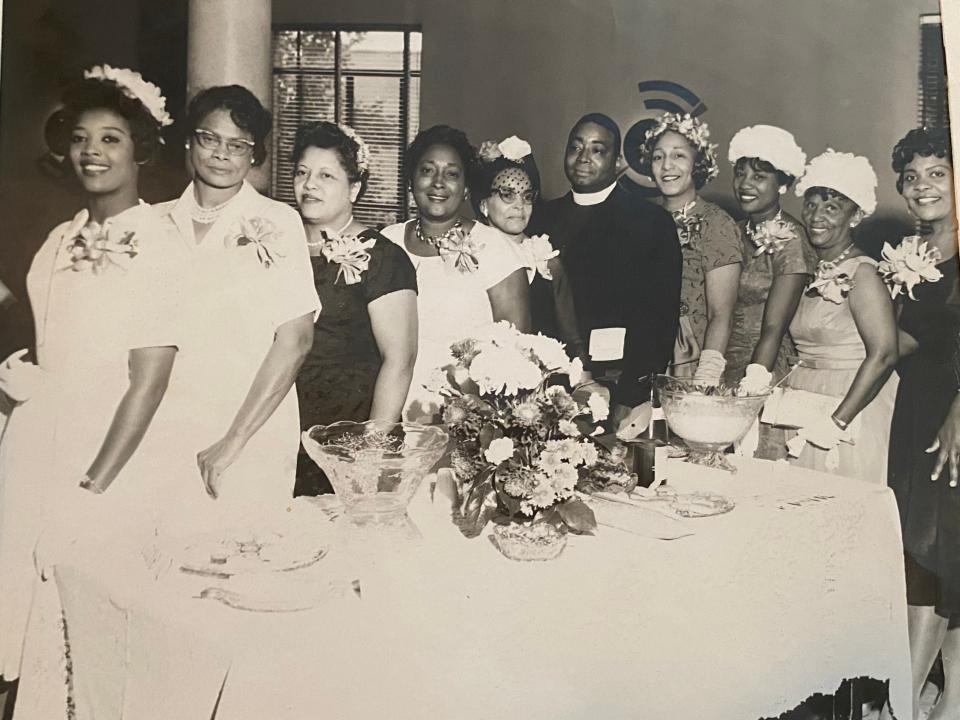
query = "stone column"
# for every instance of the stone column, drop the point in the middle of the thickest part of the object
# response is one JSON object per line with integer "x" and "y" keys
{"x": 229, "y": 42}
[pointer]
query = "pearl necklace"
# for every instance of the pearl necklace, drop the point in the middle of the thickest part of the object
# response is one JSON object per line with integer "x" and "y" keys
{"x": 440, "y": 240}
{"x": 323, "y": 234}
{"x": 825, "y": 264}
{"x": 206, "y": 215}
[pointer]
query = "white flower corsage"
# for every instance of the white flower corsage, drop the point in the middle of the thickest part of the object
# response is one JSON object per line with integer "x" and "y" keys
{"x": 134, "y": 86}
{"x": 689, "y": 225}
{"x": 538, "y": 252}
{"x": 91, "y": 249}
{"x": 350, "y": 253}
{"x": 771, "y": 236}
{"x": 459, "y": 251}
{"x": 262, "y": 235}
{"x": 831, "y": 283}
{"x": 909, "y": 264}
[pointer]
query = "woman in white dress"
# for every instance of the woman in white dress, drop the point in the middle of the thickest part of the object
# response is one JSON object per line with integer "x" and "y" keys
{"x": 252, "y": 285}
{"x": 845, "y": 329}
{"x": 106, "y": 337}
{"x": 468, "y": 274}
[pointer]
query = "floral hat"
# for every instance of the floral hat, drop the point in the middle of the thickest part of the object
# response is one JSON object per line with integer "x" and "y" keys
{"x": 846, "y": 173}
{"x": 132, "y": 84}
{"x": 767, "y": 142}
{"x": 697, "y": 133}
{"x": 363, "y": 152}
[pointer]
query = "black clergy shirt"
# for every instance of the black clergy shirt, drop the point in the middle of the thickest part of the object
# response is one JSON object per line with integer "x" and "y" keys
{"x": 624, "y": 264}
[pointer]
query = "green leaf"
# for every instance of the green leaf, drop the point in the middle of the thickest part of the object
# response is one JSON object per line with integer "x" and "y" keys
{"x": 488, "y": 433}
{"x": 577, "y": 516}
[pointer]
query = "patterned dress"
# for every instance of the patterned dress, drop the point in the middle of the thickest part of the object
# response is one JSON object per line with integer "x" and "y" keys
{"x": 756, "y": 279}
{"x": 709, "y": 239}
{"x": 337, "y": 380}
{"x": 929, "y": 380}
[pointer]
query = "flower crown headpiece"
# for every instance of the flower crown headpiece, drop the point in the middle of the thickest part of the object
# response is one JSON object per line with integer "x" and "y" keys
{"x": 696, "y": 133}
{"x": 512, "y": 148}
{"x": 132, "y": 84}
{"x": 363, "y": 152}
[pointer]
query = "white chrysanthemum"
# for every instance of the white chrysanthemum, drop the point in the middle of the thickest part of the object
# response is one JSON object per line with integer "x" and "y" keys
{"x": 549, "y": 352}
{"x": 575, "y": 371}
{"x": 499, "y": 450}
{"x": 543, "y": 495}
{"x": 513, "y": 148}
{"x": 564, "y": 480}
{"x": 500, "y": 333}
{"x": 586, "y": 453}
{"x": 549, "y": 460}
{"x": 767, "y": 142}
{"x": 846, "y": 173}
{"x": 503, "y": 370}
{"x": 599, "y": 408}
{"x": 568, "y": 427}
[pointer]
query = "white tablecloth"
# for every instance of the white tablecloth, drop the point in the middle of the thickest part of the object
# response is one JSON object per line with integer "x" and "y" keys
{"x": 795, "y": 590}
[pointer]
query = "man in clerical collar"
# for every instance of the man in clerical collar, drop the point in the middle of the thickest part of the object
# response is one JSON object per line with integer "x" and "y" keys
{"x": 623, "y": 260}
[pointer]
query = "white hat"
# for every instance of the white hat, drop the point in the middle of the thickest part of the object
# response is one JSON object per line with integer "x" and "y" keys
{"x": 845, "y": 173}
{"x": 775, "y": 145}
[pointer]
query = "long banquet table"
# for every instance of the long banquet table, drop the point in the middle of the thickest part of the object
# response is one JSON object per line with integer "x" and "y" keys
{"x": 796, "y": 589}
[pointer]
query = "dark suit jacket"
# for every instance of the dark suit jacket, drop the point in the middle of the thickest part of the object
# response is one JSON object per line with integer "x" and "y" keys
{"x": 624, "y": 264}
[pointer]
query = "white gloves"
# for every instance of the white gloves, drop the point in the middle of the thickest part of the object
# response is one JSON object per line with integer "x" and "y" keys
{"x": 20, "y": 379}
{"x": 710, "y": 369}
{"x": 756, "y": 380}
{"x": 825, "y": 433}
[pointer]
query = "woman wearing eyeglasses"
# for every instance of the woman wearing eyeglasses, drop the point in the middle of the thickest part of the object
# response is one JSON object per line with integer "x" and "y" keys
{"x": 506, "y": 189}
{"x": 255, "y": 308}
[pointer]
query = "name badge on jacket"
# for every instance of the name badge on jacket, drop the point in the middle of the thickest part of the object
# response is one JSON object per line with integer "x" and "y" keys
{"x": 606, "y": 344}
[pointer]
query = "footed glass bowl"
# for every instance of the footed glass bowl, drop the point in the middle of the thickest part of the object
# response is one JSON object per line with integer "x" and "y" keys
{"x": 708, "y": 423}
{"x": 375, "y": 468}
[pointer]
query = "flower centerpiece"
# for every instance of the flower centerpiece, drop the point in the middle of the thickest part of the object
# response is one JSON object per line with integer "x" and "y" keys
{"x": 522, "y": 445}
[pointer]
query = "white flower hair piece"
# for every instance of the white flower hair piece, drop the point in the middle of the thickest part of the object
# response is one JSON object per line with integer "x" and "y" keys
{"x": 846, "y": 173}
{"x": 363, "y": 152}
{"x": 767, "y": 142}
{"x": 512, "y": 148}
{"x": 696, "y": 133}
{"x": 133, "y": 85}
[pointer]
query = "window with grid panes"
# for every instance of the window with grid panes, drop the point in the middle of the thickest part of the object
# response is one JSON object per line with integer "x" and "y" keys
{"x": 368, "y": 79}
{"x": 932, "y": 96}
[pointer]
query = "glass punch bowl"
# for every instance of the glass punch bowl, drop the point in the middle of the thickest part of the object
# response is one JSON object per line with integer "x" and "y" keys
{"x": 709, "y": 423}
{"x": 375, "y": 468}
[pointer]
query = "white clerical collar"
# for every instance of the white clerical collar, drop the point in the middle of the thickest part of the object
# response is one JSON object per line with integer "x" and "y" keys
{"x": 594, "y": 198}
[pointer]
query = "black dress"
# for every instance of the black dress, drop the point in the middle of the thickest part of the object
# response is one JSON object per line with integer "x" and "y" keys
{"x": 337, "y": 380}
{"x": 929, "y": 511}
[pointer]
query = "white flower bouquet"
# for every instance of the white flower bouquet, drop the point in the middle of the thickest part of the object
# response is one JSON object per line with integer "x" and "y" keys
{"x": 523, "y": 445}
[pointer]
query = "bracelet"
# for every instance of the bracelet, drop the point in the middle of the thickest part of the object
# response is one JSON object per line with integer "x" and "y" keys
{"x": 87, "y": 484}
{"x": 839, "y": 423}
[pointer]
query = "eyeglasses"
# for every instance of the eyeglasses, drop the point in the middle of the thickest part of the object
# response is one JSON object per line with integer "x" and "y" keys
{"x": 511, "y": 196}
{"x": 211, "y": 141}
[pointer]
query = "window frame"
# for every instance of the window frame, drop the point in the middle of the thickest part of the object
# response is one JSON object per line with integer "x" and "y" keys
{"x": 405, "y": 75}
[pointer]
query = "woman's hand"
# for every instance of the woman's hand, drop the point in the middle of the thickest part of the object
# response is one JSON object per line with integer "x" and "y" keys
{"x": 215, "y": 460}
{"x": 947, "y": 443}
{"x": 20, "y": 378}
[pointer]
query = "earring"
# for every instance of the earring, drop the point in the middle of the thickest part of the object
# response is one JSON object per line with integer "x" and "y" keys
{"x": 253, "y": 161}
{"x": 783, "y": 189}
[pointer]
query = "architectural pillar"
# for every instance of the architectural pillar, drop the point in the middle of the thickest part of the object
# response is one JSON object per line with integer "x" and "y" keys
{"x": 229, "y": 42}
